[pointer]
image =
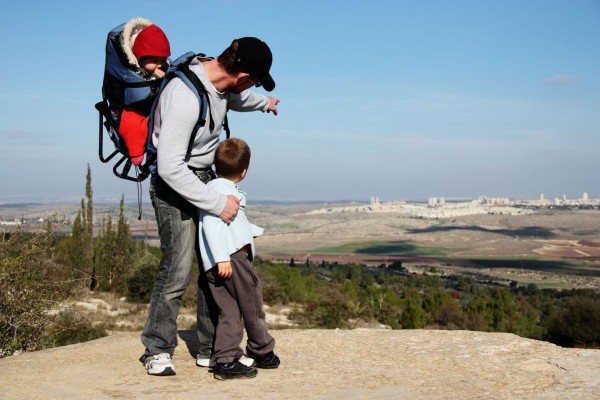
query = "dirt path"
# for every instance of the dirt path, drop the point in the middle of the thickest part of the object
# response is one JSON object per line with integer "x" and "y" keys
{"x": 320, "y": 364}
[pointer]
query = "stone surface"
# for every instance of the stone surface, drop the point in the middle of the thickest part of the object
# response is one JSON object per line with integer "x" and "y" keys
{"x": 319, "y": 364}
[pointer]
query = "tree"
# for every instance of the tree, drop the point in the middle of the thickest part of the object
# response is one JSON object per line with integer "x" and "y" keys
{"x": 114, "y": 253}
{"x": 105, "y": 254}
{"x": 353, "y": 272}
{"x": 75, "y": 249}
{"x": 413, "y": 316}
{"x": 124, "y": 250}
{"x": 450, "y": 316}
{"x": 577, "y": 323}
{"x": 466, "y": 284}
{"x": 81, "y": 252}
{"x": 88, "y": 228}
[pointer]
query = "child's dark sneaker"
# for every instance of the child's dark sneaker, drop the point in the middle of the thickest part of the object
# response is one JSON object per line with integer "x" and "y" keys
{"x": 268, "y": 361}
{"x": 233, "y": 370}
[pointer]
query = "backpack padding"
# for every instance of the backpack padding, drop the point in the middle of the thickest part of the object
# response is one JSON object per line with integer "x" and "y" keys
{"x": 123, "y": 85}
{"x": 180, "y": 69}
{"x": 197, "y": 87}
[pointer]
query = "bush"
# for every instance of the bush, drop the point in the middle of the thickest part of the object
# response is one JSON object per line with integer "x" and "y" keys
{"x": 28, "y": 291}
{"x": 577, "y": 324}
{"x": 142, "y": 277}
{"x": 69, "y": 329}
{"x": 283, "y": 285}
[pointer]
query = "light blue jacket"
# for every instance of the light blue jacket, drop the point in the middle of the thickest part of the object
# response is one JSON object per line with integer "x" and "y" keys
{"x": 219, "y": 240}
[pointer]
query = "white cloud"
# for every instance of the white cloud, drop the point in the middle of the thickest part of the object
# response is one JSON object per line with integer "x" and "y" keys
{"x": 560, "y": 79}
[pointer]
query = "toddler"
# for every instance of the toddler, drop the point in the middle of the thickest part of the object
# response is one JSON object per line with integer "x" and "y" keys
{"x": 147, "y": 50}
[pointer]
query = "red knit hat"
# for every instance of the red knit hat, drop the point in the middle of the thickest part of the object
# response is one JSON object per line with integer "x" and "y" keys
{"x": 151, "y": 42}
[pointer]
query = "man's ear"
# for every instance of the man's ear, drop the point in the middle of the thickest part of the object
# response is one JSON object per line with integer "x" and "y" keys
{"x": 243, "y": 77}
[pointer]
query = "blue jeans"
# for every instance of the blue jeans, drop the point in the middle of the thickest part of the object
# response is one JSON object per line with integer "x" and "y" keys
{"x": 177, "y": 221}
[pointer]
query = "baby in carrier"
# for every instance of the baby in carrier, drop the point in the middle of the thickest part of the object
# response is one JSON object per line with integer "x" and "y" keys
{"x": 132, "y": 78}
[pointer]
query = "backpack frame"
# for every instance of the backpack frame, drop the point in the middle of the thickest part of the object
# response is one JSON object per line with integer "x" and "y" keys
{"x": 109, "y": 121}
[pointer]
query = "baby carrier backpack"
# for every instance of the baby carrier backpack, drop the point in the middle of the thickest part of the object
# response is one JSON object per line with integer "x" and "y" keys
{"x": 125, "y": 88}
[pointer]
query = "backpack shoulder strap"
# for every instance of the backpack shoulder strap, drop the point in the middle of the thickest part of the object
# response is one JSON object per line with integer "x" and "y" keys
{"x": 180, "y": 69}
{"x": 193, "y": 82}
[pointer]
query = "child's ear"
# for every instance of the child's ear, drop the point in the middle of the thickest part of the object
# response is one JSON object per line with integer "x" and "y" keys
{"x": 244, "y": 173}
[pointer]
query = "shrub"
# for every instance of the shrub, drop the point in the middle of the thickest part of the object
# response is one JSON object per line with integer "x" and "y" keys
{"x": 69, "y": 329}
{"x": 577, "y": 324}
{"x": 28, "y": 291}
{"x": 141, "y": 278}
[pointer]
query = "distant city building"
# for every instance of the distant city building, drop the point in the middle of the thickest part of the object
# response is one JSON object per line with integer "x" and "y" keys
{"x": 436, "y": 201}
{"x": 15, "y": 222}
{"x": 585, "y": 196}
{"x": 541, "y": 196}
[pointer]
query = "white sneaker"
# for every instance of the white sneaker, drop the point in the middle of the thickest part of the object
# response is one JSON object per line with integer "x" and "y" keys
{"x": 205, "y": 361}
{"x": 160, "y": 365}
{"x": 247, "y": 361}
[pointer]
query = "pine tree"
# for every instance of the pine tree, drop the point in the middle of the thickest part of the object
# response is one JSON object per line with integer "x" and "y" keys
{"x": 105, "y": 254}
{"x": 75, "y": 249}
{"x": 123, "y": 250}
{"x": 88, "y": 237}
{"x": 114, "y": 253}
{"x": 81, "y": 252}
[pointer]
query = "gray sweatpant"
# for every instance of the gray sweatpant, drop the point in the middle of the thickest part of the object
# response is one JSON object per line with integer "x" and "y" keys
{"x": 239, "y": 297}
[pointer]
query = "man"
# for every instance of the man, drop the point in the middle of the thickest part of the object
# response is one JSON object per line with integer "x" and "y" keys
{"x": 179, "y": 187}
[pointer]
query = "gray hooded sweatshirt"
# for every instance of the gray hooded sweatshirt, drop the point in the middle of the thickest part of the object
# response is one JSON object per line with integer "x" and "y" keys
{"x": 176, "y": 116}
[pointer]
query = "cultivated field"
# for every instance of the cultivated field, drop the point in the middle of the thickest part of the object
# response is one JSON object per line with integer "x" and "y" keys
{"x": 549, "y": 248}
{"x": 552, "y": 248}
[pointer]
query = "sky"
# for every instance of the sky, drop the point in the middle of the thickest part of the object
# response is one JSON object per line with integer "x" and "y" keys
{"x": 402, "y": 100}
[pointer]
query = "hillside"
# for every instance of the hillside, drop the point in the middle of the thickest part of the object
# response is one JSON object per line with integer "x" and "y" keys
{"x": 320, "y": 364}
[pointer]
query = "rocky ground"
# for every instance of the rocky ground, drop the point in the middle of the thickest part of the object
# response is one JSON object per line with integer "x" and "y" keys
{"x": 319, "y": 364}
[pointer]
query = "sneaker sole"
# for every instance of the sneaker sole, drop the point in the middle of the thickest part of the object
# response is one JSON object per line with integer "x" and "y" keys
{"x": 266, "y": 366}
{"x": 166, "y": 372}
{"x": 209, "y": 365}
{"x": 227, "y": 377}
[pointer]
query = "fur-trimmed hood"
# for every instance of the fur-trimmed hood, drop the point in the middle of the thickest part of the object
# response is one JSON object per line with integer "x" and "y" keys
{"x": 130, "y": 31}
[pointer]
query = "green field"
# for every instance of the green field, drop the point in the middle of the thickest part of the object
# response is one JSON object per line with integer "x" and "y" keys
{"x": 400, "y": 247}
{"x": 535, "y": 264}
{"x": 406, "y": 248}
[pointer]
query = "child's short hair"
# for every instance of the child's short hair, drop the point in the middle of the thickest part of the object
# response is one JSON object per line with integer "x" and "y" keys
{"x": 232, "y": 156}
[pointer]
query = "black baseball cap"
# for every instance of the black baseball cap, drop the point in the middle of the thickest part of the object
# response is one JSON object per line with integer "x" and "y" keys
{"x": 254, "y": 57}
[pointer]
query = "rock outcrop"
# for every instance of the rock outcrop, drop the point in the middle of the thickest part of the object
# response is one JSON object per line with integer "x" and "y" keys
{"x": 319, "y": 364}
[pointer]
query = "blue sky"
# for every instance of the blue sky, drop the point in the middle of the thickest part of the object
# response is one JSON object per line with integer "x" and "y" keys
{"x": 398, "y": 99}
